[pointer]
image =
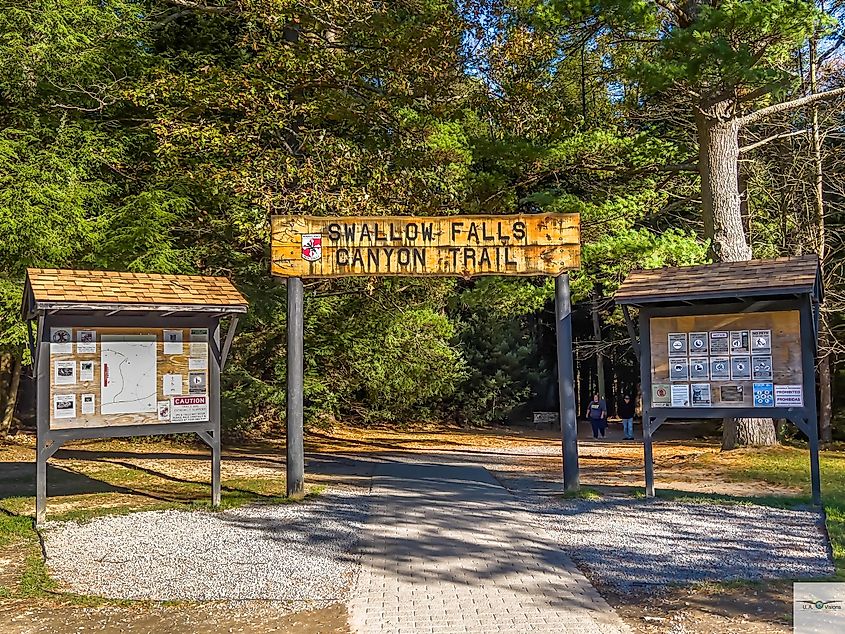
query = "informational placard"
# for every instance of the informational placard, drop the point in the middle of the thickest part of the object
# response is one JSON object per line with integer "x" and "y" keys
{"x": 740, "y": 368}
{"x": 742, "y": 360}
{"x": 189, "y": 409}
{"x": 701, "y": 395}
{"x": 789, "y": 396}
{"x": 699, "y": 368}
{"x": 761, "y": 341}
{"x": 761, "y": 368}
{"x": 128, "y": 384}
{"x": 678, "y": 344}
{"x": 719, "y": 343}
{"x": 764, "y": 395}
{"x": 680, "y": 395}
{"x": 740, "y": 343}
{"x": 678, "y": 370}
{"x": 119, "y": 376}
{"x": 465, "y": 246}
{"x": 661, "y": 395}
{"x": 698, "y": 343}
{"x": 61, "y": 340}
{"x": 86, "y": 341}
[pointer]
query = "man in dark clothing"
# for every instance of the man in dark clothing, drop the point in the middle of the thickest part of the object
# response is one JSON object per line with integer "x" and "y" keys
{"x": 597, "y": 413}
{"x": 627, "y": 409}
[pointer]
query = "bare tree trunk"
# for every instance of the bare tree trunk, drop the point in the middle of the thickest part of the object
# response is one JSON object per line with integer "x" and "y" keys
{"x": 718, "y": 136}
{"x": 825, "y": 400}
{"x": 598, "y": 339}
{"x": 825, "y": 396}
{"x": 11, "y": 400}
{"x": 748, "y": 432}
{"x": 10, "y": 377}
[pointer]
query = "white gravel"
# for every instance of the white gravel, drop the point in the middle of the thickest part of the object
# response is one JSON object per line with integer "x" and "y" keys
{"x": 644, "y": 544}
{"x": 291, "y": 552}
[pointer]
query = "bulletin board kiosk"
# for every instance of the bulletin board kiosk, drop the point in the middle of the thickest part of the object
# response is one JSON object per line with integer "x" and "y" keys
{"x": 727, "y": 340}
{"x": 127, "y": 354}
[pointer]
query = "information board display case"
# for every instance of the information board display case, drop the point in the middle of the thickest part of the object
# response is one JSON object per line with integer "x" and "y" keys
{"x": 125, "y": 354}
{"x": 727, "y": 340}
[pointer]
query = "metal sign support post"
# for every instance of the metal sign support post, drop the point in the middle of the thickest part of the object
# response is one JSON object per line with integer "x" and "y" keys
{"x": 295, "y": 368}
{"x": 565, "y": 381}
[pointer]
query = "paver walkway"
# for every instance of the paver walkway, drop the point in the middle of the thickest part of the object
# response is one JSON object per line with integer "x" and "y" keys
{"x": 448, "y": 549}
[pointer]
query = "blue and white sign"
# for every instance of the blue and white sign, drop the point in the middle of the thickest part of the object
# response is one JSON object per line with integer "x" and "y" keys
{"x": 764, "y": 395}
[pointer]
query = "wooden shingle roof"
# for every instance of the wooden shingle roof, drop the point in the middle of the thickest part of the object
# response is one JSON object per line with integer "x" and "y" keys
{"x": 725, "y": 280}
{"x": 61, "y": 288}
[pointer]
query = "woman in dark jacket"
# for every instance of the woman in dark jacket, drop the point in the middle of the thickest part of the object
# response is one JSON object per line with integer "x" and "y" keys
{"x": 627, "y": 409}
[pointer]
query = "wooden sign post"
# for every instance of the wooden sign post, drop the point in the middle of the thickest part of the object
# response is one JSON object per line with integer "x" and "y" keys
{"x": 455, "y": 246}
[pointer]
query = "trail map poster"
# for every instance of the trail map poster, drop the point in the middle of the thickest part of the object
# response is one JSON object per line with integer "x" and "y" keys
{"x": 129, "y": 374}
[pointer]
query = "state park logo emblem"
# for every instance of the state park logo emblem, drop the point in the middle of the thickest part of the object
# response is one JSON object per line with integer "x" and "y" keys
{"x": 312, "y": 246}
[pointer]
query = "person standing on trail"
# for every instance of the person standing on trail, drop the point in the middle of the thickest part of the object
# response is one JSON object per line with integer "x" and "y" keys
{"x": 627, "y": 409}
{"x": 597, "y": 413}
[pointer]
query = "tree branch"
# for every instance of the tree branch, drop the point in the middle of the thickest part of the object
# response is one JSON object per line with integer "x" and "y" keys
{"x": 759, "y": 92}
{"x": 758, "y": 115}
{"x": 774, "y": 137}
{"x": 674, "y": 9}
{"x": 202, "y": 8}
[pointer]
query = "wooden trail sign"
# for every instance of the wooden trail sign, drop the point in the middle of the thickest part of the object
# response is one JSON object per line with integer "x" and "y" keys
{"x": 463, "y": 246}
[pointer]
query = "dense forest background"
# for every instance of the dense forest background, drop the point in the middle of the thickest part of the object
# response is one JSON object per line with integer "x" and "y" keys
{"x": 160, "y": 135}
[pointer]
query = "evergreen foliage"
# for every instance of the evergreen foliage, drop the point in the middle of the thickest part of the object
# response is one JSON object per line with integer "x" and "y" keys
{"x": 152, "y": 135}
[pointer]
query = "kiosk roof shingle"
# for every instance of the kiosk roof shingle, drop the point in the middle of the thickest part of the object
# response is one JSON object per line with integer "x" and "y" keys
{"x": 64, "y": 286}
{"x": 752, "y": 278}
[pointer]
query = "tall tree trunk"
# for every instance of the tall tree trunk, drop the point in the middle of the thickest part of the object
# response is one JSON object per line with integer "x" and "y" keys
{"x": 718, "y": 137}
{"x": 598, "y": 340}
{"x": 10, "y": 383}
{"x": 825, "y": 396}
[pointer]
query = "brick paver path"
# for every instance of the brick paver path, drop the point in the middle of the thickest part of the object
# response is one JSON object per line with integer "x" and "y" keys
{"x": 448, "y": 549}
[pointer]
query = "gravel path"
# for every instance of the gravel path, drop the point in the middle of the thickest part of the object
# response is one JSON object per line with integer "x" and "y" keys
{"x": 293, "y": 552}
{"x": 647, "y": 543}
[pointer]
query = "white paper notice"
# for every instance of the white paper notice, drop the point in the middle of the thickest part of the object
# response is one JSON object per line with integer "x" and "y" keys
{"x": 86, "y": 371}
{"x": 61, "y": 341}
{"x": 199, "y": 349}
{"x": 173, "y": 342}
{"x": 200, "y": 363}
{"x": 86, "y": 341}
{"x": 172, "y": 384}
{"x": 65, "y": 373}
{"x": 88, "y": 401}
{"x": 189, "y": 409}
{"x": 680, "y": 395}
{"x": 64, "y": 406}
{"x": 789, "y": 396}
{"x": 164, "y": 411}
